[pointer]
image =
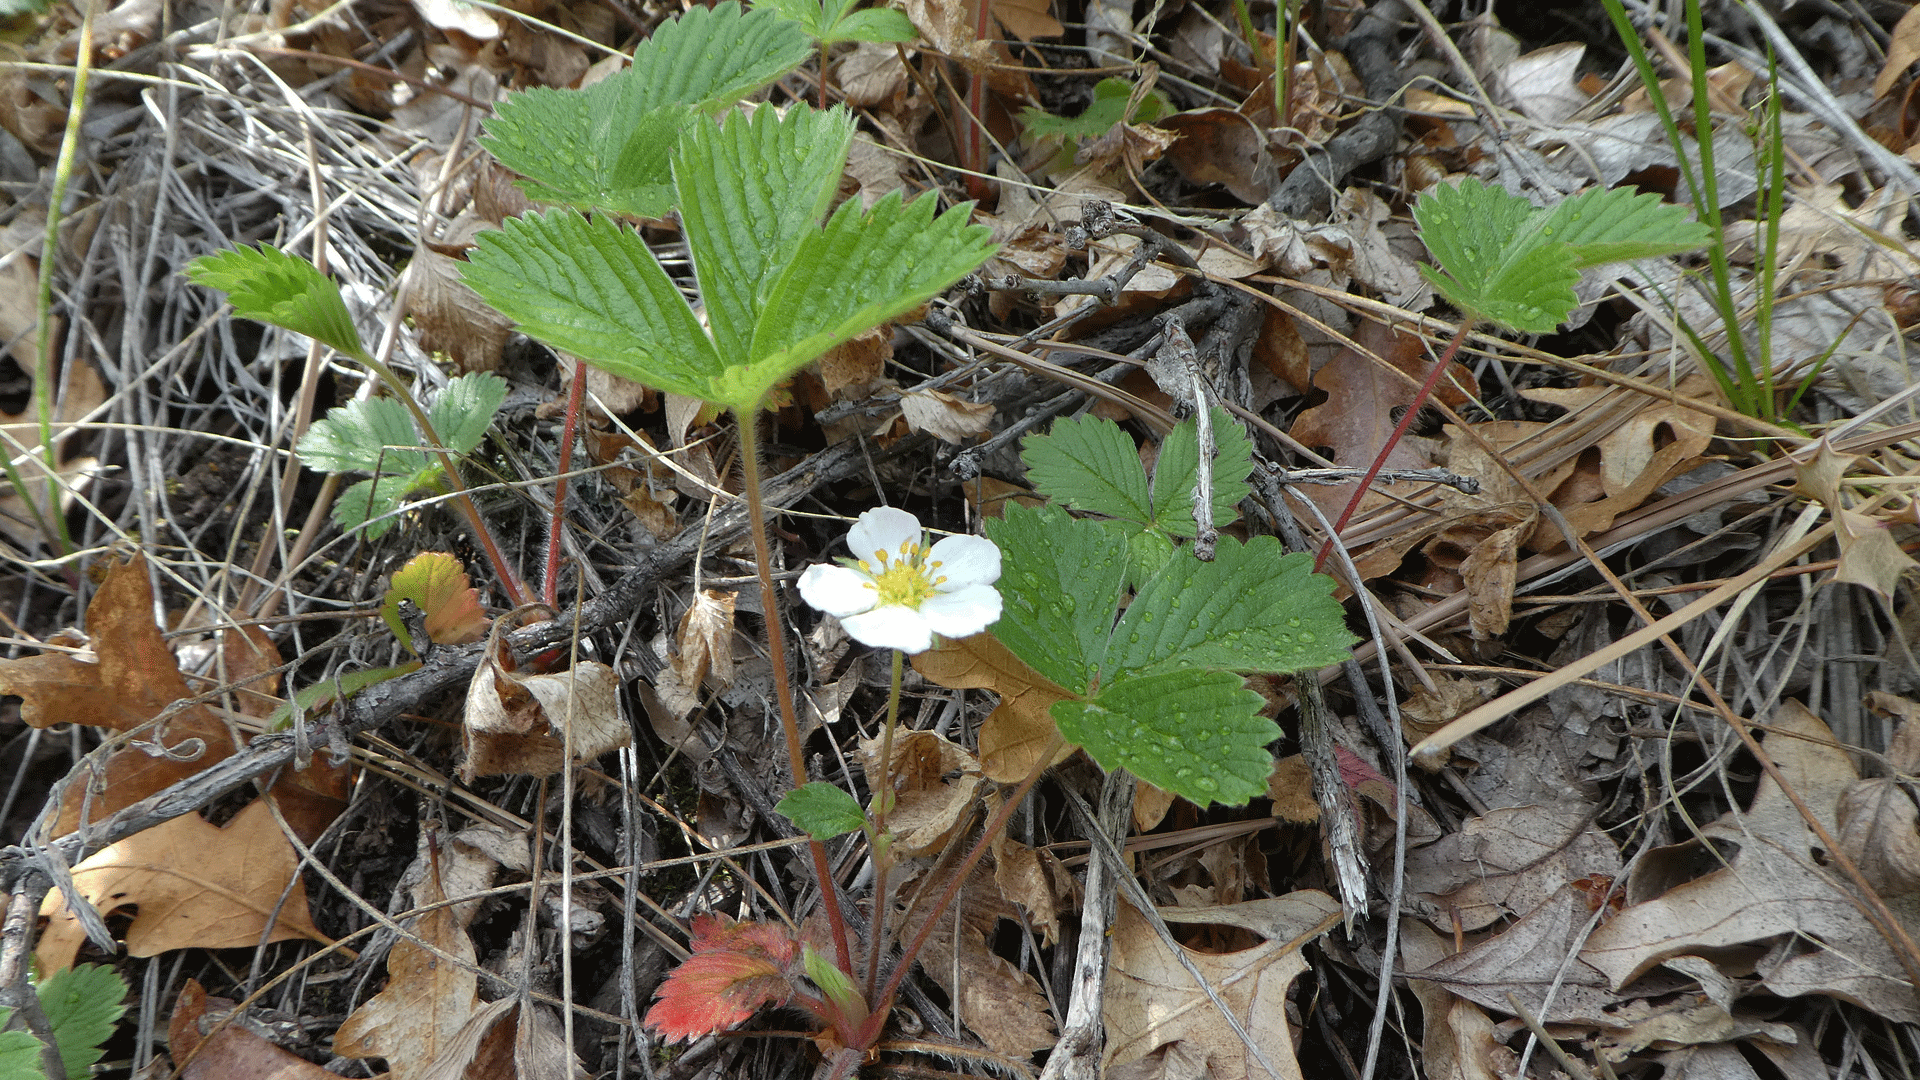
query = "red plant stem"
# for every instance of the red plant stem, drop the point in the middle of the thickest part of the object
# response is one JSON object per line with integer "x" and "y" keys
{"x": 1393, "y": 440}
{"x": 577, "y": 394}
{"x": 883, "y": 1005}
{"x": 782, "y": 685}
{"x": 973, "y": 122}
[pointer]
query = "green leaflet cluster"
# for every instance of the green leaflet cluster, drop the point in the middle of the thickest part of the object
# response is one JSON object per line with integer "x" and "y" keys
{"x": 1160, "y": 691}
{"x": 82, "y": 1005}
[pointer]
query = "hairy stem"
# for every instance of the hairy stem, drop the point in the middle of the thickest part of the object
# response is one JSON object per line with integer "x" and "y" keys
{"x": 550, "y": 584}
{"x": 1406, "y": 421}
{"x": 997, "y": 824}
{"x": 782, "y": 682}
{"x": 881, "y": 843}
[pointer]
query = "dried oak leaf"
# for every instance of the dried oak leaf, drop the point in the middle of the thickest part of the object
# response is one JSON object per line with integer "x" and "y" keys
{"x": 1014, "y": 735}
{"x": 204, "y": 1048}
{"x": 704, "y": 643}
{"x": 195, "y": 885}
{"x": 1152, "y": 1002}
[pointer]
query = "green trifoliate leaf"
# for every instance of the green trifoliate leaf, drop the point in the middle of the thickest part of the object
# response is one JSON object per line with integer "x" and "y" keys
{"x": 608, "y": 145}
{"x": 1615, "y": 225}
{"x": 371, "y": 502}
{"x": 879, "y": 25}
{"x": 19, "y": 1050}
{"x": 822, "y": 810}
{"x": 375, "y": 435}
{"x": 465, "y": 409}
{"x": 1060, "y": 582}
{"x": 1178, "y": 466}
{"x": 1091, "y": 465}
{"x": 751, "y": 191}
{"x": 1494, "y": 263}
{"x": 82, "y": 1004}
{"x": 858, "y": 272}
{"x": 1253, "y": 608}
{"x": 594, "y": 289}
{"x": 267, "y": 285}
{"x": 1198, "y": 734}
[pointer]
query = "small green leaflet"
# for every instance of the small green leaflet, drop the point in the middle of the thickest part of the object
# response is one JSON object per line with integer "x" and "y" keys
{"x": 779, "y": 288}
{"x": 1060, "y": 580}
{"x": 1109, "y": 107}
{"x": 377, "y": 435}
{"x": 1198, "y": 734}
{"x": 82, "y": 1005}
{"x": 832, "y": 21}
{"x": 267, "y": 285}
{"x": 1504, "y": 260}
{"x": 606, "y": 147}
{"x": 822, "y": 810}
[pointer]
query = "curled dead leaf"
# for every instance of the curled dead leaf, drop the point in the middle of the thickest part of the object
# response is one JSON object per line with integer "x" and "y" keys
{"x": 1013, "y": 737}
{"x": 519, "y": 724}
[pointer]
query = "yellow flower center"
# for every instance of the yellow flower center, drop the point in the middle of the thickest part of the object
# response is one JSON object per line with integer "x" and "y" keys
{"x": 902, "y": 579}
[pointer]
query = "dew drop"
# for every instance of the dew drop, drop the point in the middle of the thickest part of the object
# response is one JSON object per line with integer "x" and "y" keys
{"x": 1182, "y": 773}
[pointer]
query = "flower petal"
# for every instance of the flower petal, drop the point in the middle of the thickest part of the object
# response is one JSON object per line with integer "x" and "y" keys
{"x": 837, "y": 590}
{"x": 963, "y": 612}
{"x": 882, "y": 529}
{"x": 964, "y": 561}
{"x": 890, "y": 627}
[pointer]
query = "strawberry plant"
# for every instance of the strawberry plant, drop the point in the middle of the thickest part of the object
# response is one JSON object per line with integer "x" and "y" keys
{"x": 82, "y": 1005}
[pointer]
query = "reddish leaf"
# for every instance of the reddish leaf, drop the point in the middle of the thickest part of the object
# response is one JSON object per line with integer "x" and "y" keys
{"x": 735, "y": 969}
{"x": 435, "y": 581}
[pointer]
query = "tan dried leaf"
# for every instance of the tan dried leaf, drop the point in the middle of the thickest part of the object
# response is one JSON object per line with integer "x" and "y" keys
{"x": 1902, "y": 51}
{"x": 705, "y": 638}
{"x": 946, "y": 417}
{"x": 518, "y": 724}
{"x": 1152, "y": 1001}
{"x": 1014, "y": 735}
{"x": 196, "y": 886}
{"x": 1033, "y": 879}
{"x": 935, "y": 784}
{"x": 232, "y": 1050}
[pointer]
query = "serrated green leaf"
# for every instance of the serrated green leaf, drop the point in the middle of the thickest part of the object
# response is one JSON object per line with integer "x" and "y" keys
{"x": 1615, "y": 225}
{"x": 1253, "y": 608}
{"x": 1060, "y": 581}
{"x": 371, "y": 502}
{"x": 810, "y": 14}
{"x": 1178, "y": 465}
{"x": 860, "y": 271}
{"x": 605, "y": 146}
{"x": 464, "y": 411}
{"x": 822, "y": 810}
{"x": 1147, "y": 553}
{"x": 594, "y": 289}
{"x": 1496, "y": 263}
{"x": 878, "y": 25}
{"x": 1109, "y": 107}
{"x": 82, "y": 1004}
{"x": 1198, "y": 734}
{"x": 19, "y": 1054}
{"x": 1091, "y": 465}
{"x": 374, "y": 435}
{"x": 750, "y": 192}
{"x": 267, "y": 285}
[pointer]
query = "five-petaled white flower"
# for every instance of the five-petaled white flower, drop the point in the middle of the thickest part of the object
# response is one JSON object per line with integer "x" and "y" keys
{"x": 896, "y": 592}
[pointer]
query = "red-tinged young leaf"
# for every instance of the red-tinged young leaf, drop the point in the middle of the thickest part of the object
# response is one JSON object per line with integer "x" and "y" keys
{"x": 735, "y": 969}
{"x": 435, "y": 581}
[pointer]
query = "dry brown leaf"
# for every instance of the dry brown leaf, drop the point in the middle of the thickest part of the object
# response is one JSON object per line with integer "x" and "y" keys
{"x": 705, "y": 638}
{"x": 1653, "y": 445}
{"x": 450, "y": 317}
{"x": 1364, "y": 404}
{"x": 935, "y": 784}
{"x": 230, "y": 1052}
{"x": 196, "y": 886}
{"x": 1902, "y": 51}
{"x": 1152, "y": 1002}
{"x": 80, "y": 393}
{"x": 1290, "y": 786}
{"x": 1528, "y": 957}
{"x": 1772, "y": 890}
{"x": 872, "y": 76}
{"x": 1225, "y": 147}
{"x": 419, "y": 1022}
{"x": 1013, "y": 737}
{"x": 1879, "y": 824}
{"x": 517, "y": 724}
{"x": 1488, "y": 573}
{"x": 1869, "y": 554}
{"x": 946, "y": 417}
{"x": 1033, "y": 879}
{"x": 1457, "y": 1039}
{"x": 1026, "y": 19}
{"x": 997, "y": 1001}
{"x": 1150, "y": 806}
{"x": 1509, "y": 861}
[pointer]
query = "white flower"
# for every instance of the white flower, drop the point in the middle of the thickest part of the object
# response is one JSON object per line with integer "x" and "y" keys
{"x": 898, "y": 592}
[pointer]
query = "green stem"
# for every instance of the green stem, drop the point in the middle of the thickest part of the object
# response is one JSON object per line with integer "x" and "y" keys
{"x": 879, "y": 841}
{"x": 997, "y": 824}
{"x": 509, "y": 581}
{"x": 782, "y": 682}
{"x": 43, "y": 387}
{"x": 1467, "y": 319}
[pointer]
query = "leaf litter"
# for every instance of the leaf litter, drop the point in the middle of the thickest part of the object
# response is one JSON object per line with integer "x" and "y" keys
{"x": 1613, "y": 864}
